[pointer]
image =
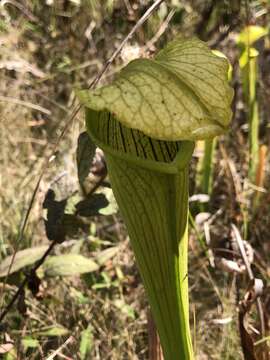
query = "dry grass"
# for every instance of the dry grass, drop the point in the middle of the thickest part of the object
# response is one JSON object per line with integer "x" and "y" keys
{"x": 41, "y": 62}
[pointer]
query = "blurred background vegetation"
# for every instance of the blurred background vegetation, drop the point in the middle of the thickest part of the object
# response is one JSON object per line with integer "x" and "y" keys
{"x": 97, "y": 309}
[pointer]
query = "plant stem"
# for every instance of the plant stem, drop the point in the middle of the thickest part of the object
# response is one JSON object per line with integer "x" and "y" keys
{"x": 207, "y": 166}
{"x": 209, "y": 149}
{"x": 253, "y": 118}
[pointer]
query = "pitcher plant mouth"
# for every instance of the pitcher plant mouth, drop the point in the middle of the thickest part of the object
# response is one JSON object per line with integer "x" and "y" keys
{"x": 133, "y": 145}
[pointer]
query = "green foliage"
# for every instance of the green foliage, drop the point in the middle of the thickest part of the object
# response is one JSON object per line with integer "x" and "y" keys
{"x": 105, "y": 255}
{"x": 53, "y": 331}
{"x": 125, "y": 308}
{"x": 29, "y": 342}
{"x": 68, "y": 265}
{"x": 22, "y": 259}
{"x": 86, "y": 342}
{"x": 60, "y": 265}
{"x": 11, "y": 355}
{"x": 206, "y": 167}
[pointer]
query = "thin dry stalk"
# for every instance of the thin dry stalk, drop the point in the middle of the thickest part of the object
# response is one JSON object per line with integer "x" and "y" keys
{"x": 155, "y": 350}
{"x": 69, "y": 340}
{"x": 260, "y": 175}
{"x": 25, "y": 103}
{"x": 251, "y": 276}
{"x": 160, "y": 31}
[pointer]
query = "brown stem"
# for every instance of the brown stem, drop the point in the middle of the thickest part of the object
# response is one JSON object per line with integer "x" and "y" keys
{"x": 155, "y": 350}
{"x": 252, "y": 277}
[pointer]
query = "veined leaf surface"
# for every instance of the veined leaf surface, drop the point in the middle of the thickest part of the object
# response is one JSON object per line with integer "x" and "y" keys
{"x": 182, "y": 94}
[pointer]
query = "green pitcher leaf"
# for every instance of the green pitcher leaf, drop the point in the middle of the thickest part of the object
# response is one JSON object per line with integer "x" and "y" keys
{"x": 146, "y": 122}
{"x": 181, "y": 94}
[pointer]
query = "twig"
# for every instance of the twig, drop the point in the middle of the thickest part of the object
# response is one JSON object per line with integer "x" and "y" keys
{"x": 240, "y": 244}
{"x": 205, "y": 16}
{"x": 140, "y": 22}
{"x": 128, "y": 6}
{"x": 251, "y": 276}
{"x": 76, "y": 110}
{"x": 22, "y": 8}
{"x": 223, "y": 35}
{"x": 160, "y": 31}
{"x": 25, "y": 103}
{"x": 57, "y": 351}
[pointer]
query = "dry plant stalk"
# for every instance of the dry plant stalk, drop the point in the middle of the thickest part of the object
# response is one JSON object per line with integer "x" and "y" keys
{"x": 155, "y": 350}
{"x": 260, "y": 175}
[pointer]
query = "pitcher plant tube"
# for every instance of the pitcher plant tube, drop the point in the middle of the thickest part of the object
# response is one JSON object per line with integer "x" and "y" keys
{"x": 147, "y": 121}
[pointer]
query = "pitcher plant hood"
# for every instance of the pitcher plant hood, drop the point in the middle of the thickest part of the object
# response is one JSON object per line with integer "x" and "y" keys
{"x": 181, "y": 94}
